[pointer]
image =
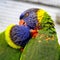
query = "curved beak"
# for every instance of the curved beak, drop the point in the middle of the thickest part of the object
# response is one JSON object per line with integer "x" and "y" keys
{"x": 22, "y": 22}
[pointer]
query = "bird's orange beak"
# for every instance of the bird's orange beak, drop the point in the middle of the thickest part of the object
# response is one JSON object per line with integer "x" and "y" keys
{"x": 22, "y": 22}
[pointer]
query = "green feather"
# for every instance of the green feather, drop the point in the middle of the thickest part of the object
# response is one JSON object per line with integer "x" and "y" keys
{"x": 6, "y": 52}
{"x": 45, "y": 46}
{"x": 40, "y": 48}
{"x": 59, "y": 52}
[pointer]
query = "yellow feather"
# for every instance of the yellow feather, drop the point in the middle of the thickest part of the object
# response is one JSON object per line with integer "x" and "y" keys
{"x": 8, "y": 39}
{"x": 40, "y": 14}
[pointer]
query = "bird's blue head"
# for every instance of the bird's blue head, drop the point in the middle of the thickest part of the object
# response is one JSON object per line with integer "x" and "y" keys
{"x": 29, "y": 16}
{"x": 20, "y": 35}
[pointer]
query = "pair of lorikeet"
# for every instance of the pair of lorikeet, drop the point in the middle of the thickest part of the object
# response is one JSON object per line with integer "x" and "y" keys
{"x": 35, "y": 36}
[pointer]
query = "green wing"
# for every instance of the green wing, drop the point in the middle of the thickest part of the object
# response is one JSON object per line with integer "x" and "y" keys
{"x": 6, "y": 52}
{"x": 43, "y": 47}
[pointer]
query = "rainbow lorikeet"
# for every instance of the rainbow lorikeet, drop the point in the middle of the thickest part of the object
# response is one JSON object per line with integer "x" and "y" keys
{"x": 14, "y": 36}
{"x": 45, "y": 45}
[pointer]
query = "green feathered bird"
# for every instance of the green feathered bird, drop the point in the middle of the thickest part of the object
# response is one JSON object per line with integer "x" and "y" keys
{"x": 12, "y": 40}
{"x": 45, "y": 45}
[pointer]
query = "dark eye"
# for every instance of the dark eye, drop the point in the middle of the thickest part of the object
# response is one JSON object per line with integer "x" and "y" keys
{"x": 27, "y": 14}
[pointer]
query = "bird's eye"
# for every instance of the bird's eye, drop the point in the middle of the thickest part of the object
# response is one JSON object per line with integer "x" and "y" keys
{"x": 27, "y": 14}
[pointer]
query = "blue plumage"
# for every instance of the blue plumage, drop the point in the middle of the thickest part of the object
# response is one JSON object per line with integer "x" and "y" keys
{"x": 20, "y": 35}
{"x": 29, "y": 16}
